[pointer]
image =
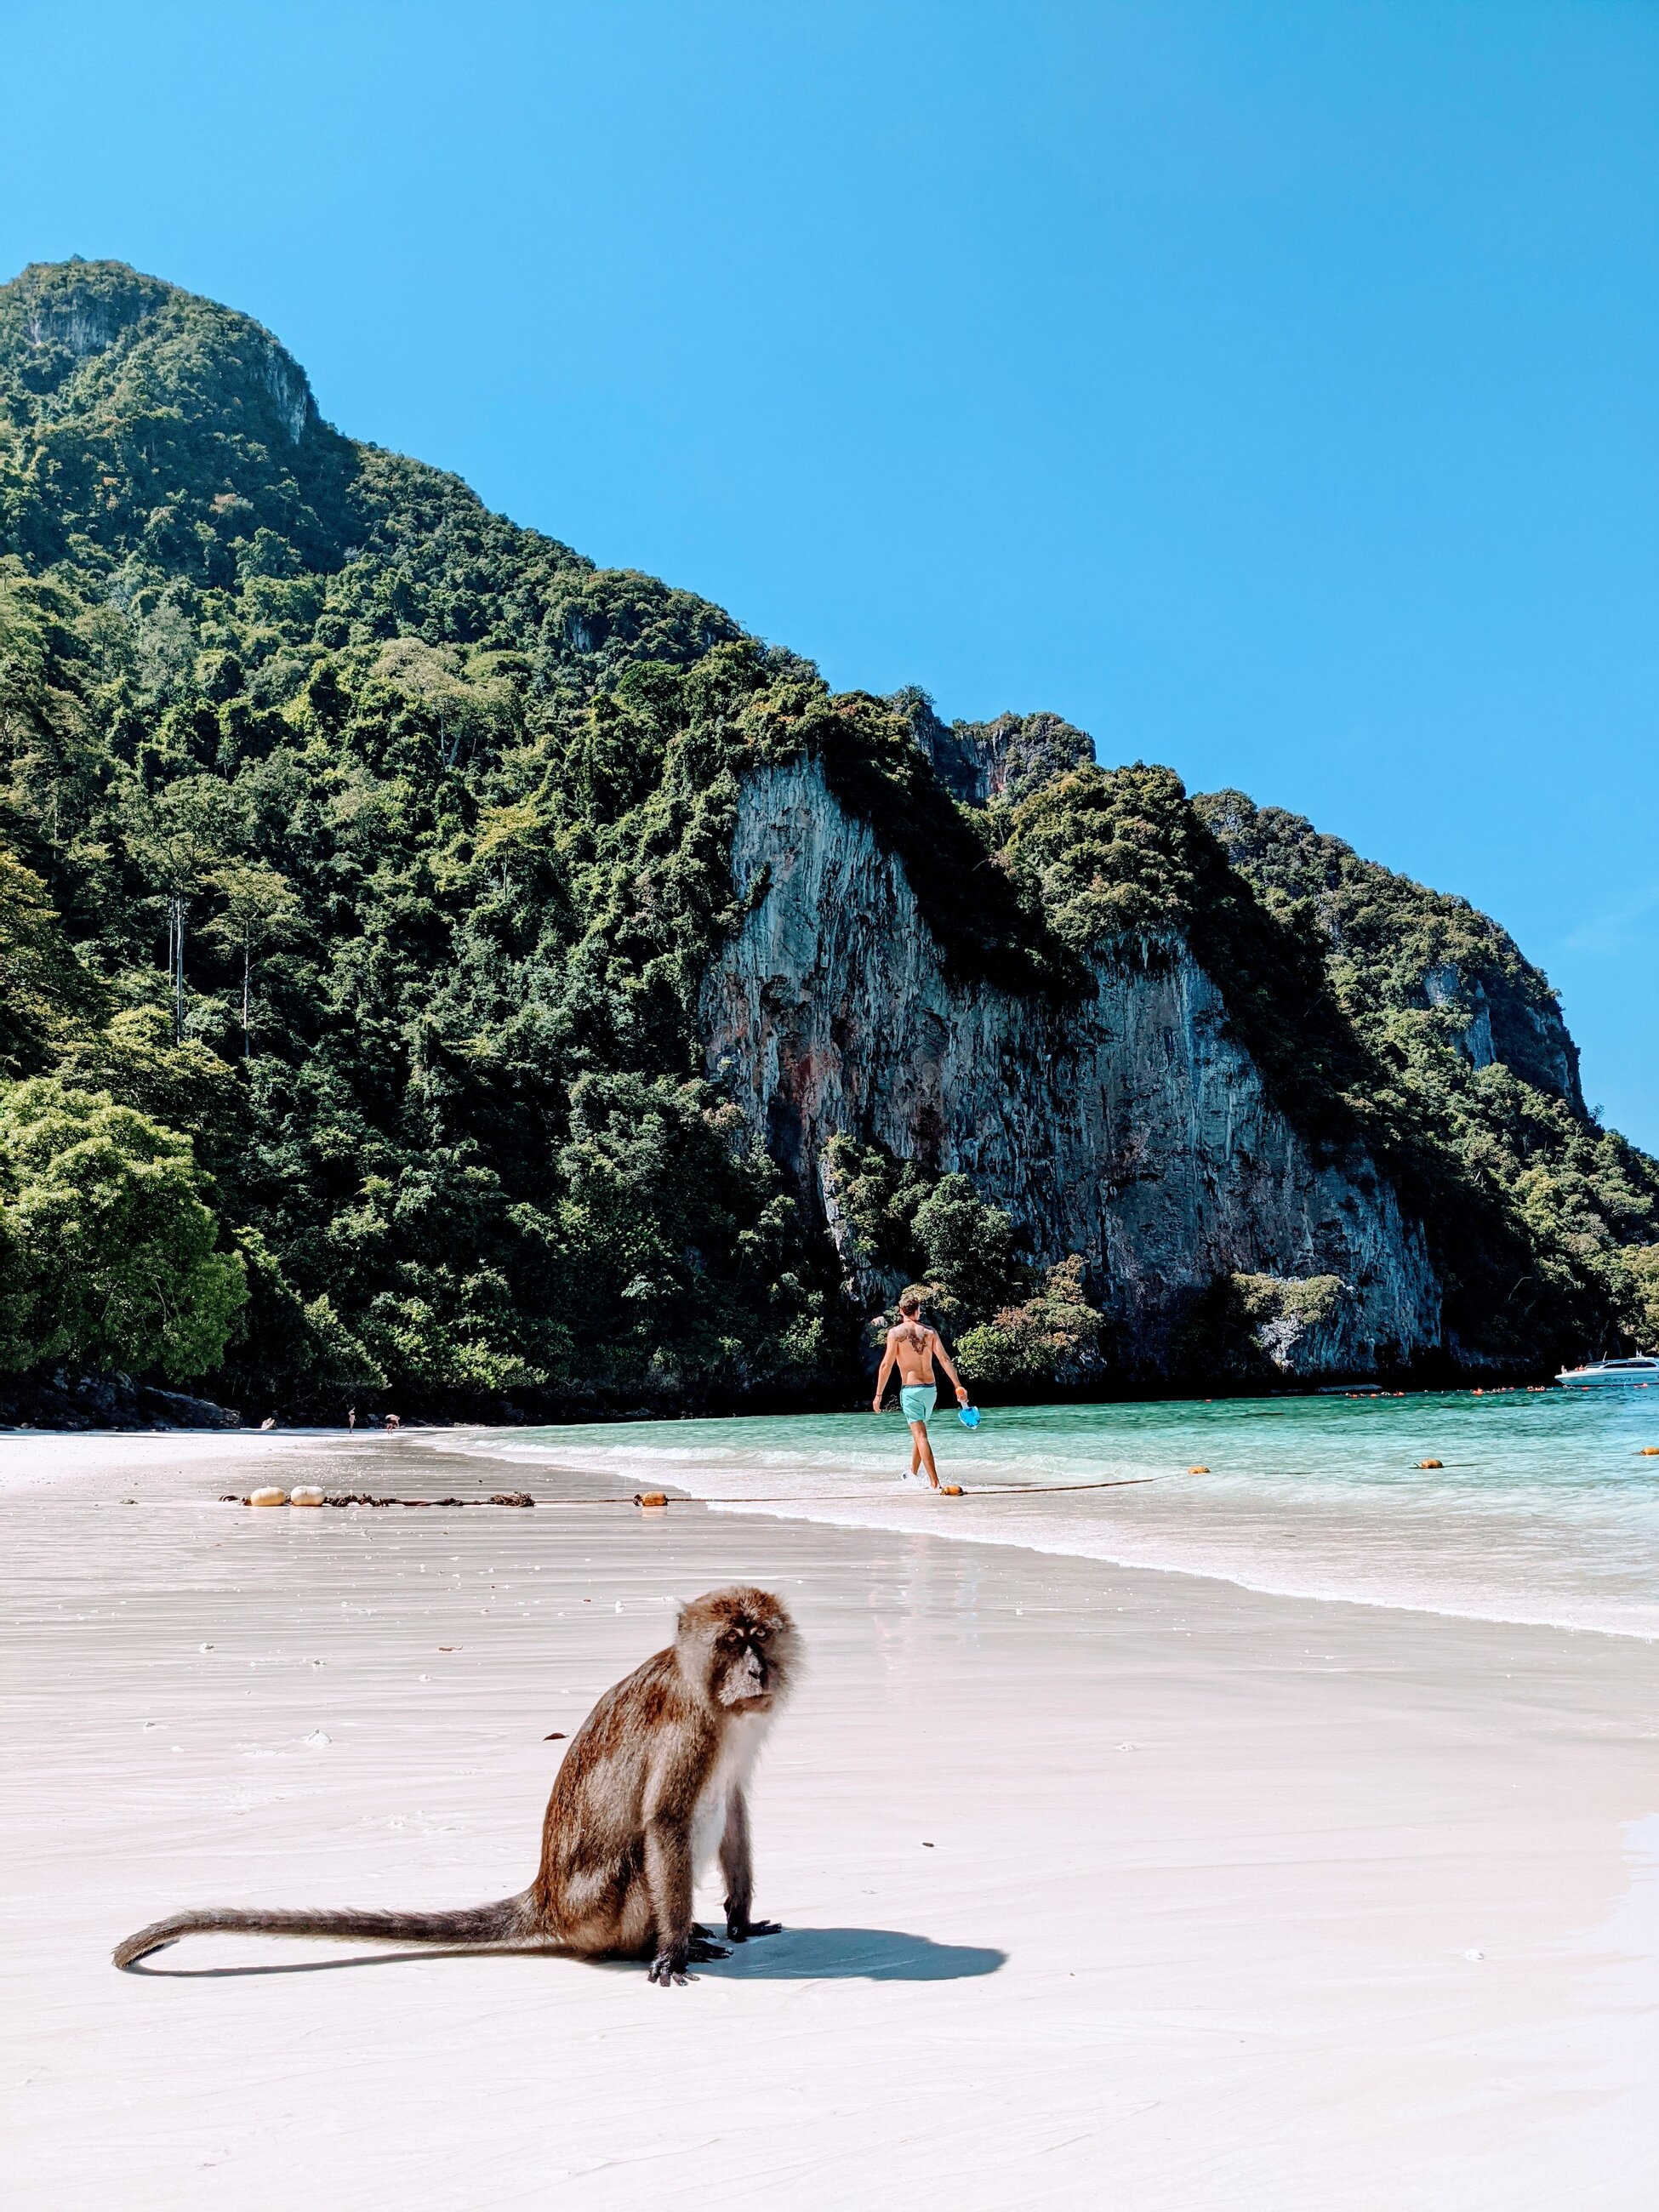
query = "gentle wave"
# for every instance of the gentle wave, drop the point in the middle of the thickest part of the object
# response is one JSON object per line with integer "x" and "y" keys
{"x": 1543, "y": 1512}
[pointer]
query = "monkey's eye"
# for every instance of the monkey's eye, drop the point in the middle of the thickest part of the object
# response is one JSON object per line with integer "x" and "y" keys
{"x": 762, "y": 1634}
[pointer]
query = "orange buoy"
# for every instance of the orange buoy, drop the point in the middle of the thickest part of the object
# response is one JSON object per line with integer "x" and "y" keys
{"x": 1648, "y": 1451}
{"x": 1197, "y": 1470}
{"x": 952, "y": 1489}
{"x": 650, "y": 1501}
{"x": 1431, "y": 1462}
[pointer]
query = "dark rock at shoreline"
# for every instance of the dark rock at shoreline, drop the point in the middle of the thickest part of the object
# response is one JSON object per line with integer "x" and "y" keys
{"x": 59, "y": 1400}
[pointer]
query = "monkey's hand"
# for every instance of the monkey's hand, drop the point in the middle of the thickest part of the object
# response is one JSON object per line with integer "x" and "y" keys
{"x": 702, "y": 1947}
{"x": 740, "y": 1929}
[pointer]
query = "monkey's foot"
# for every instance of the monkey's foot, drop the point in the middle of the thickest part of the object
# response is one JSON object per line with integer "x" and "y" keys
{"x": 668, "y": 1972}
{"x": 668, "y": 1967}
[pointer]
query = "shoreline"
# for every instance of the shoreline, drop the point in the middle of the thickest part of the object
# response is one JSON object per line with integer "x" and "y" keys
{"x": 901, "y": 1509}
{"x": 1096, "y": 1883}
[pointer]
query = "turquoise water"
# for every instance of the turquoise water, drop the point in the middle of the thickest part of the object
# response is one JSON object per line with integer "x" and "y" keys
{"x": 1543, "y": 1511}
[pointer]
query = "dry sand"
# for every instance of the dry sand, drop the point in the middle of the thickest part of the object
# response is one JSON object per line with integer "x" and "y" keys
{"x": 1102, "y": 1888}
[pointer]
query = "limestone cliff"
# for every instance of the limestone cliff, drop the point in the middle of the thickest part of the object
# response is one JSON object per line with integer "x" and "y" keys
{"x": 1408, "y": 945}
{"x": 1126, "y": 1126}
{"x": 456, "y": 812}
{"x": 978, "y": 762}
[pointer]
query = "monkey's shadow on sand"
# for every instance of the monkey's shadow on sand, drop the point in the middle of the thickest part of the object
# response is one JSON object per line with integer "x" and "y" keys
{"x": 795, "y": 1955}
{"x": 852, "y": 1954}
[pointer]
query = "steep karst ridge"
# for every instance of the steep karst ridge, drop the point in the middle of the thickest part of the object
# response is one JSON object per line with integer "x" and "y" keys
{"x": 545, "y": 995}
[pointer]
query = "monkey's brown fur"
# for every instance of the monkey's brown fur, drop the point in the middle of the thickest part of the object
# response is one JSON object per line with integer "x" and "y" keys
{"x": 652, "y": 1785}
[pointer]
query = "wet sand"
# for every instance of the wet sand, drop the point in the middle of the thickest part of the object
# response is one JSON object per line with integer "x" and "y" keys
{"x": 1101, "y": 1885}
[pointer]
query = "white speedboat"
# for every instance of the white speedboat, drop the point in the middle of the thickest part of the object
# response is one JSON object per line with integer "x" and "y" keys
{"x": 1643, "y": 1368}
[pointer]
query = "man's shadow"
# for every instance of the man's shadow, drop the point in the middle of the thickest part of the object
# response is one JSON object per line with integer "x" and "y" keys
{"x": 795, "y": 1955}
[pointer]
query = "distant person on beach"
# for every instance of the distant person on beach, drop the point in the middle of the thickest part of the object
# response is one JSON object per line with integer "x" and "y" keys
{"x": 351, "y": 1417}
{"x": 913, "y": 1347}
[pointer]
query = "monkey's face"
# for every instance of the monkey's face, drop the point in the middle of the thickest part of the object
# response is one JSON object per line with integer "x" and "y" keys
{"x": 742, "y": 1644}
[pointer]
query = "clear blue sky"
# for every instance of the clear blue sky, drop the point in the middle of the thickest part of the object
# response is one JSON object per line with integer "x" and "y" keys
{"x": 1271, "y": 388}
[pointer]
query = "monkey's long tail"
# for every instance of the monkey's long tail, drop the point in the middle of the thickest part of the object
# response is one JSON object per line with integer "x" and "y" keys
{"x": 513, "y": 1919}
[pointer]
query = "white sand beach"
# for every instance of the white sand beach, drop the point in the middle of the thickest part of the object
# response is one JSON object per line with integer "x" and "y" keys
{"x": 1101, "y": 1886}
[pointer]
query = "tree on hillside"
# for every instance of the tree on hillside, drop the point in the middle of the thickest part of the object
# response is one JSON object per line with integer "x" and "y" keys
{"x": 179, "y": 837}
{"x": 108, "y": 1248}
{"x": 260, "y": 908}
{"x": 44, "y": 990}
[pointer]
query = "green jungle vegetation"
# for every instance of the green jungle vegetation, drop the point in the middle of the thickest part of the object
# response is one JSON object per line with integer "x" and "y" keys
{"x": 361, "y": 855}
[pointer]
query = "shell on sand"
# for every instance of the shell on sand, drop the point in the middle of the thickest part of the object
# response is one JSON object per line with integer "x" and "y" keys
{"x": 269, "y": 1497}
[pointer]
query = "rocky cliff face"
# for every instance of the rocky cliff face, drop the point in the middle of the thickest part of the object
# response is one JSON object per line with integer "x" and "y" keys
{"x": 68, "y": 313}
{"x": 982, "y": 761}
{"x": 1419, "y": 947}
{"x": 1491, "y": 1018}
{"x": 1128, "y": 1127}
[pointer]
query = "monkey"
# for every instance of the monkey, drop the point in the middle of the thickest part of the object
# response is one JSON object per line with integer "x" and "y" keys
{"x": 651, "y": 1791}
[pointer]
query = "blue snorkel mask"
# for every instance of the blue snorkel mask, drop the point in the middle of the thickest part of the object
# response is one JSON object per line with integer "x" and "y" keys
{"x": 969, "y": 1416}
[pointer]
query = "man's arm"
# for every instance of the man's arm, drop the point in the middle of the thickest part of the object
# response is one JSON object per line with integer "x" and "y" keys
{"x": 948, "y": 1365}
{"x": 886, "y": 1369}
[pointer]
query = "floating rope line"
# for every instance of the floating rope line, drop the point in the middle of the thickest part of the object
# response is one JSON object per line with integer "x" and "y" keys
{"x": 656, "y": 1501}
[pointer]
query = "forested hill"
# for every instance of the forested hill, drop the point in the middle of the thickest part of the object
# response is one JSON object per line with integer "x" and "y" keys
{"x": 360, "y": 853}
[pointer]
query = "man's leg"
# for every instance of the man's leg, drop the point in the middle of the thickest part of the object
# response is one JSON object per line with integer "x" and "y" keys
{"x": 922, "y": 1453}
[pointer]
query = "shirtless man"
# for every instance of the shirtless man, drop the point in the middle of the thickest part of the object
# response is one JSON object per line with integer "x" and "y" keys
{"x": 913, "y": 1349}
